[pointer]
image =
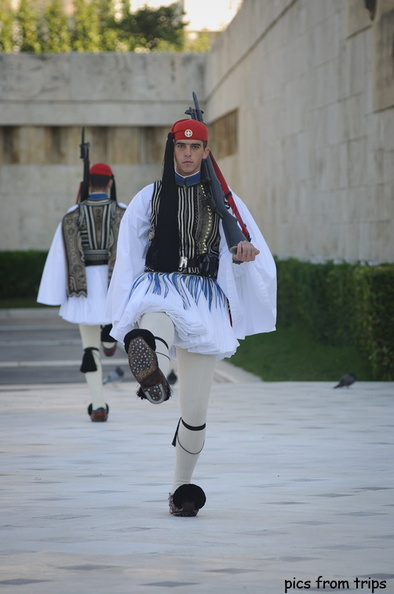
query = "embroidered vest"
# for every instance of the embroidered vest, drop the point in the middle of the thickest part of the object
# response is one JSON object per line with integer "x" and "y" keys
{"x": 90, "y": 234}
{"x": 198, "y": 225}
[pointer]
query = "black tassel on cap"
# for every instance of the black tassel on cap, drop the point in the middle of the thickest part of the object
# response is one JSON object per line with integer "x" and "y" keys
{"x": 163, "y": 252}
{"x": 113, "y": 190}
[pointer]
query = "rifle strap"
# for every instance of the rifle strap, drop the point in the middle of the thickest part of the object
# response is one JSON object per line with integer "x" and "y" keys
{"x": 229, "y": 197}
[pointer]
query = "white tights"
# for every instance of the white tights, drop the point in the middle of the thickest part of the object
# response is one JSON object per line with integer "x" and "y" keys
{"x": 195, "y": 377}
{"x": 90, "y": 336}
{"x": 162, "y": 327}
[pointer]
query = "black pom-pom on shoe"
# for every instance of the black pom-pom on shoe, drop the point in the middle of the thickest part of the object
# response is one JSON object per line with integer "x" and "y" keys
{"x": 187, "y": 500}
{"x": 99, "y": 415}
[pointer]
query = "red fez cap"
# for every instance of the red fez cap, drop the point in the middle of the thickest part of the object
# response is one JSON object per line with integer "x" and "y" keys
{"x": 189, "y": 130}
{"x": 101, "y": 169}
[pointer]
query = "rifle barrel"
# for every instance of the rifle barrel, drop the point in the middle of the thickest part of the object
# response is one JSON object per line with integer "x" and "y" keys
{"x": 232, "y": 231}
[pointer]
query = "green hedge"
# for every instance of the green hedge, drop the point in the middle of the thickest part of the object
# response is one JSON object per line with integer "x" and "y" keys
{"x": 342, "y": 304}
{"x": 21, "y": 273}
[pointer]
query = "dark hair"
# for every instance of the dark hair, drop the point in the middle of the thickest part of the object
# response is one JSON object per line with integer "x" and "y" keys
{"x": 99, "y": 181}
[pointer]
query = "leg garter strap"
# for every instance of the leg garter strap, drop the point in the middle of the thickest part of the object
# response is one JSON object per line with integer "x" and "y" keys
{"x": 190, "y": 427}
{"x": 146, "y": 335}
{"x": 164, "y": 342}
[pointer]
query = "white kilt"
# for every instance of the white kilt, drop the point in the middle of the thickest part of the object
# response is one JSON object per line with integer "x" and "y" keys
{"x": 197, "y": 306}
{"x": 89, "y": 310}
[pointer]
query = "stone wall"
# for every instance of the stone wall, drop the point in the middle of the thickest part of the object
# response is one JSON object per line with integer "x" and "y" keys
{"x": 299, "y": 98}
{"x": 312, "y": 84}
{"x": 126, "y": 102}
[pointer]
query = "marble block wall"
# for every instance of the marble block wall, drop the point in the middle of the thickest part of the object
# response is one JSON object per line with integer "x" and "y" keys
{"x": 312, "y": 85}
{"x": 126, "y": 102}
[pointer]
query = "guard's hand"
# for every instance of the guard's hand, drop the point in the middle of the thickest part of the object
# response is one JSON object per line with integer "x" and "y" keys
{"x": 246, "y": 252}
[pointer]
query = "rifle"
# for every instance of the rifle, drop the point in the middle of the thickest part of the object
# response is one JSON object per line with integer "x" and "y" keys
{"x": 221, "y": 194}
{"x": 83, "y": 191}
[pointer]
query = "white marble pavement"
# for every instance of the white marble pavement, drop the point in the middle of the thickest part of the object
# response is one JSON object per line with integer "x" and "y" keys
{"x": 298, "y": 477}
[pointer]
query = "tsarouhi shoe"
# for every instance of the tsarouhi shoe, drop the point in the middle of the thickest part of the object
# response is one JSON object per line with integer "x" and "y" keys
{"x": 109, "y": 348}
{"x": 99, "y": 415}
{"x": 140, "y": 347}
{"x": 186, "y": 501}
{"x": 108, "y": 342}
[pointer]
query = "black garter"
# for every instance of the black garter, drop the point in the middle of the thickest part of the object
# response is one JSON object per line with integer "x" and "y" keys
{"x": 190, "y": 427}
{"x": 88, "y": 362}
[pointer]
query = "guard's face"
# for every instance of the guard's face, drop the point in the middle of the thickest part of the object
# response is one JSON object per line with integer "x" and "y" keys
{"x": 188, "y": 156}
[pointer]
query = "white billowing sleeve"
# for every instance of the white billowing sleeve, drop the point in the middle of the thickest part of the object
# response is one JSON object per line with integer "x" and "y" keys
{"x": 53, "y": 285}
{"x": 130, "y": 254}
{"x": 251, "y": 286}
